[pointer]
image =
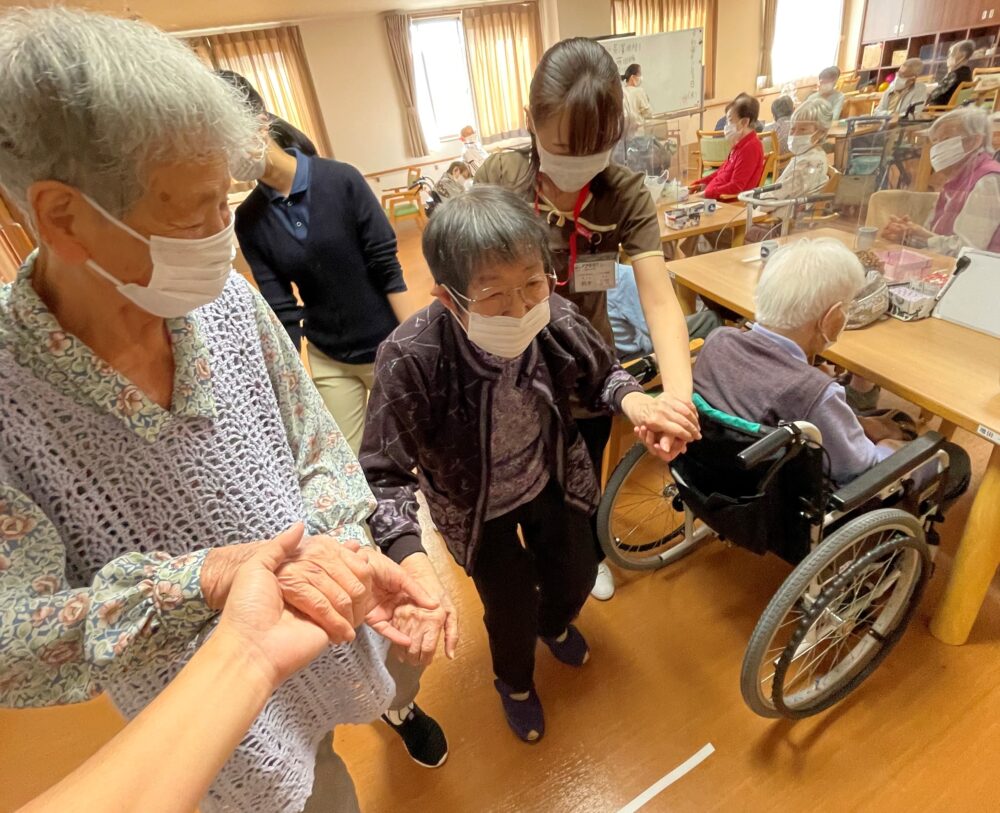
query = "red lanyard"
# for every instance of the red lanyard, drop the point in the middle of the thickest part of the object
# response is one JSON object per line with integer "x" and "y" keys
{"x": 582, "y": 231}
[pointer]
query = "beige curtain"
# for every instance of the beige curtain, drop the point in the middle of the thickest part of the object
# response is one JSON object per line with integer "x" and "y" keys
{"x": 503, "y": 44}
{"x": 274, "y": 62}
{"x": 657, "y": 16}
{"x": 397, "y": 29}
{"x": 770, "y": 13}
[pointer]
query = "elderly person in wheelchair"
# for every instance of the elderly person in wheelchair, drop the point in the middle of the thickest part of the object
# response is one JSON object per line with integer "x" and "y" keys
{"x": 785, "y": 466}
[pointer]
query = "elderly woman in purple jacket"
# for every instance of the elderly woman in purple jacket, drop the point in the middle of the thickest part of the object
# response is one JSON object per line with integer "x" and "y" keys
{"x": 967, "y": 213}
{"x": 472, "y": 404}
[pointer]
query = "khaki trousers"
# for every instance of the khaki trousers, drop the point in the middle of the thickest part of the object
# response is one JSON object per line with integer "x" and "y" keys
{"x": 344, "y": 389}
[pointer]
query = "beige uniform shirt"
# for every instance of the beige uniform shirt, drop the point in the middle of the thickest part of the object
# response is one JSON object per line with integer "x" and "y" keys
{"x": 618, "y": 210}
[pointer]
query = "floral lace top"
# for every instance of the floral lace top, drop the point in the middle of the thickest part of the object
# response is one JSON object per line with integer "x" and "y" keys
{"x": 109, "y": 504}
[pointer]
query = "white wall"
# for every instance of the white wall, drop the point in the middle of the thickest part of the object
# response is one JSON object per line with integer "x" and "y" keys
{"x": 583, "y": 18}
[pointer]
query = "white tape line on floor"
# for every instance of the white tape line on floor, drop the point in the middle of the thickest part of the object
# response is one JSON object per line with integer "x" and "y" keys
{"x": 669, "y": 779}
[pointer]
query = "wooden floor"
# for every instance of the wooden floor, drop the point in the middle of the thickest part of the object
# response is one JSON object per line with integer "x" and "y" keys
{"x": 922, "y": 734}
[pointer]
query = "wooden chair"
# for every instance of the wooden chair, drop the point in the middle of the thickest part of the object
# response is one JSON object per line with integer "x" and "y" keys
{"x": 772, "y": 149}
{"x": 713, "y": 150}
{"x": 979, "y": 72}
{"x": 848, "y": 82}
{"x": 15, "y": 246}
{"x": 405, "y": 202}
{"x": 965, "y": 92}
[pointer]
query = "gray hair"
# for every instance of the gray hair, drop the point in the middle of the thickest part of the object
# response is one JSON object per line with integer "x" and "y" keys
{"x": 966, "y": 47}
{"x": 803, "y": 280}
{"x": 485, "y": 225}
{"x": 91, "y": 101}
{"x": 831, "y": 74}
{"x": 969, "y": 121}
{"x": 914, "y": 65}
{"x": 816, "y": 111}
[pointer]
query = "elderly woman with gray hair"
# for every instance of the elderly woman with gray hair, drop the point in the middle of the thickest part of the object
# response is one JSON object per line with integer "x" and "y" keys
{"x": 155, "y": 421}
{"x": 958, "y": 71}
{"x": 967, "y": 212}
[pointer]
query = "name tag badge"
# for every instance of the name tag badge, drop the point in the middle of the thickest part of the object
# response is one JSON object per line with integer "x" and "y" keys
{"x": 594, "y": 272}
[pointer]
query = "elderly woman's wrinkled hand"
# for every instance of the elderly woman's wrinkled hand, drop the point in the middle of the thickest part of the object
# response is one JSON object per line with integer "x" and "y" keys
{"x": 393, "y": 589}
{"x": 425, "y": 627}
{"x": 665, "y": 424}
{"x": 255, "y": 615}
{"x": 330, "y": 583}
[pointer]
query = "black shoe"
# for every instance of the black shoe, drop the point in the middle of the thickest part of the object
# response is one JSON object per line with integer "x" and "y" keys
{"x": 422, "y": 736}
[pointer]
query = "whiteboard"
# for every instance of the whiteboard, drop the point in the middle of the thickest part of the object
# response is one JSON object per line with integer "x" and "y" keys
{"x": 671, "y": 66}
{"x": 971, "y": 298}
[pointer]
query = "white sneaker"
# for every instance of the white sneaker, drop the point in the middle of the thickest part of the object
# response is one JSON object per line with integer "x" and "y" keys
{"x": 604, "y": 586}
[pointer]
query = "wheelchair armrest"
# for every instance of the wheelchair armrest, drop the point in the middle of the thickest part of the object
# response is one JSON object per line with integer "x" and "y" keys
{"x": 901, "y": 462}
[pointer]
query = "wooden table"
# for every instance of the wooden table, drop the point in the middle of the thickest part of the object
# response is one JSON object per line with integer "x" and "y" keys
{"x": 726, "y": 216}
{"x": 944, "y": 368}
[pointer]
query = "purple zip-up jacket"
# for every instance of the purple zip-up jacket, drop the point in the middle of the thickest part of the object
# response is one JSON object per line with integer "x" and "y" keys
{"x": 430, "y": 415}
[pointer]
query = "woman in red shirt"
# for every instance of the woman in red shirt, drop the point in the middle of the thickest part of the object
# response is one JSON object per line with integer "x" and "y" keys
{"x": 745, "y": 163}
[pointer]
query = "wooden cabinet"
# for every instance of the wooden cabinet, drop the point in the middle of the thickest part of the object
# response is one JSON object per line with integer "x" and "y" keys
{"x": 882, "y": 19}
{"x": 924, "y": 16}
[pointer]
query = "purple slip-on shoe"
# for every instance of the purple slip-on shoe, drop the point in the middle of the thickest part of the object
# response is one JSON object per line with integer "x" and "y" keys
{"x": 573, "y": 651}
{"x": 524, "y": 717}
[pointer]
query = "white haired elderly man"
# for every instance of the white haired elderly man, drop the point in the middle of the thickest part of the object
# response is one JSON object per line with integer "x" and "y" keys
{"x": 766, "y": 374}
{"x": 906, "y": 96}
{"x": 156, "y": 422}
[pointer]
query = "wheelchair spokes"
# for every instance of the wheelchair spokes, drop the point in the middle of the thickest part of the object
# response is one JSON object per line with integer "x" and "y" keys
{"x": 832, "y": 623}
{"x": 642, "y": 525}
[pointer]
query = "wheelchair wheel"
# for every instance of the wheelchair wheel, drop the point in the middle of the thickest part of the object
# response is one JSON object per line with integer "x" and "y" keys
{"x": 640, "y": 522}
{"x": 837, "y": 616}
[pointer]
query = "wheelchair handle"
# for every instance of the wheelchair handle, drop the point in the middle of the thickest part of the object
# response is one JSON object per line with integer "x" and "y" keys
{"x": 767, "y": 446}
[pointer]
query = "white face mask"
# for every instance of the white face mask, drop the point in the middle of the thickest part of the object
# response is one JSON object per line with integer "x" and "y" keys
{"x": 505, "y": 336}
{"x": 899, "y": 84}
{"x": 799, "y": 144}
{"x": 186, "y": 273}
{"x": 731, "y": 131}
{"x": 947, "y": 153}
{"x": 248, "y": 167}
{"x": 826, "y": 88}
{"x": 571, "y": 172}
{"x": 467, "y": 183}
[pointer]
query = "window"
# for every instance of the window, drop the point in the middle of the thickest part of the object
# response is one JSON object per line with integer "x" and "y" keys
{"x": 273, "y": 61}
{"x": 806, "y": 38}
{"x": 441, "y": 74}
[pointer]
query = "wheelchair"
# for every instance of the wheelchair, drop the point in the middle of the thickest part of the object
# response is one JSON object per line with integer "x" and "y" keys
{"x": 860, "y": 553}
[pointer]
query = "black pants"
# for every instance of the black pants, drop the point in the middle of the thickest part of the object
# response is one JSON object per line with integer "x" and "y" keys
{"x": 536, "y": 588}
{"x": 595, "y": 433}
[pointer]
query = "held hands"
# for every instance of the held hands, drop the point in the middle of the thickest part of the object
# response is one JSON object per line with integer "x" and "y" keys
{"x": 340, "y": 586}
{"x": 258, "y": 621}
{"x": 902, "y": 229}
{"x": 665, "y": 425}
{"x": 424, "y": 627}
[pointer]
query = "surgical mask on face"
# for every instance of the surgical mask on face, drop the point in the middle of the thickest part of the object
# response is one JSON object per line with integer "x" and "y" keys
{"x": 947, "y": 153}
{"x": 467, "y": 184}
{"x": 799, "y": 144}
{"x": 248, "y": 167}
{"x": 826, "y": 88}
{"x": 730, "y": 131}
{"x": 186, "y": 273}
{"x": 505, "y": 336}
{"x": 899, "y": 84}
{"x": 571, "y": 172}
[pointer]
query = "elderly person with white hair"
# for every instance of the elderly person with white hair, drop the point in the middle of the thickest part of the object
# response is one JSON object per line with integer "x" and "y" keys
{"x": 906, "y": 96}
{"x": 155, "y": 421}
{"x": 967, "y": 212}
{"x": 766, "y": 374}
{"x": 958, "y": 71}
{"x": 808, "y": 170}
